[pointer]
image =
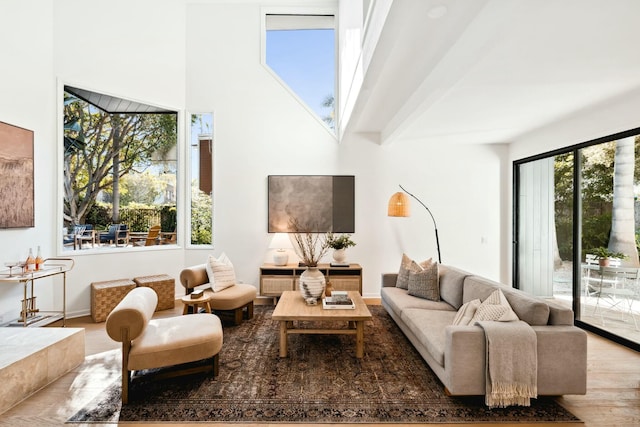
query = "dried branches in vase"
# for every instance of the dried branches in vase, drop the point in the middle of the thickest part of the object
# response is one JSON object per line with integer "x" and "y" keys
{"x": 310, "y": 247}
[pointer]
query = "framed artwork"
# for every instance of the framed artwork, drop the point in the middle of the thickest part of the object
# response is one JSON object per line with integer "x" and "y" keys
{"x": 16, "y": 177}
{"x": 317, "y": 203}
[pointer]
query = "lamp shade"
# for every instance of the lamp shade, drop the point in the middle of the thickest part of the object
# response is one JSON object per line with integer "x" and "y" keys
{"x": 280, "y": 241}
{"x": 399, "y": 205}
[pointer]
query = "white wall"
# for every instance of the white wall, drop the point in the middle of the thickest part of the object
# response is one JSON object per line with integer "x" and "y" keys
{"x": 260, "y": 129}
{"x": 205, "y": 56}
{"x": 129, "y": 49}
{"x": 27, "y": 87}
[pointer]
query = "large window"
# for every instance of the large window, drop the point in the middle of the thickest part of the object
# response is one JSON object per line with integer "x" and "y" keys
{"x": 573, "y": 207}
{"x": 300, "y": 49}
{"x": 119, "y": 173}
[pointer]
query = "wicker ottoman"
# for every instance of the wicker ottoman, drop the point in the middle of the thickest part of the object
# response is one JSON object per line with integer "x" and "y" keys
{"x": 165, "y": 287}
{"x": 106, "y": 295}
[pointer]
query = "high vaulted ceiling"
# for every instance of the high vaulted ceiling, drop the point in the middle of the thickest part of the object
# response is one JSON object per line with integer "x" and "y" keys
{"x": 491, "y": 71}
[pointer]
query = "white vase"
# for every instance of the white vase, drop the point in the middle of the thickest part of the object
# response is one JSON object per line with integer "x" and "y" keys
{"x": 312, "y": 284}
{"x": 340, "y": 255}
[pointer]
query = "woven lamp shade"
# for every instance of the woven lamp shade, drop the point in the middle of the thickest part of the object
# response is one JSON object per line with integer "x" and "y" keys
{"x": 399, "y": 205}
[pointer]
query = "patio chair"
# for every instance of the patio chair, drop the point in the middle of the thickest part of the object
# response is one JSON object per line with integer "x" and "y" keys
{"x": 86, "y": 235}
{"x": 70, "y": 235}
{"x": 617, "y": 288}
{"x": 152, "y": 237}
{"x": 117, "y": 233}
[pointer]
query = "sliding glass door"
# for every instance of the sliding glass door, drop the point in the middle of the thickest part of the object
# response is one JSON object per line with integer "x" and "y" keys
{"x": 572, "y": 207}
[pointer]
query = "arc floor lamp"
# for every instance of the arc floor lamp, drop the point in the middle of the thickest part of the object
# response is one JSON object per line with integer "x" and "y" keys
{"x": 400, "y": 205}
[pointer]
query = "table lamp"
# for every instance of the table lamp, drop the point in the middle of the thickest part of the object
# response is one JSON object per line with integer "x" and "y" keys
{"x": 280, "y": 242}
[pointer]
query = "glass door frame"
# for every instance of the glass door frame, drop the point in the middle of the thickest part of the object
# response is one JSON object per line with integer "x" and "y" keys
{"x": 577, "y": 227}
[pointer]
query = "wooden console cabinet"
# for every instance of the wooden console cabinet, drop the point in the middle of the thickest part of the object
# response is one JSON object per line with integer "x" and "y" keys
{"x": 276, "y": 279}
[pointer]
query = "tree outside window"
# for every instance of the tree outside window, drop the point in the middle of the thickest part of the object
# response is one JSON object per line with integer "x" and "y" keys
{"x": 118, "y": 167}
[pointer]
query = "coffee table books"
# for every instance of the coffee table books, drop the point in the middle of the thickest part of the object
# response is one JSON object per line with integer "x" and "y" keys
{"x": 333, "y": 303}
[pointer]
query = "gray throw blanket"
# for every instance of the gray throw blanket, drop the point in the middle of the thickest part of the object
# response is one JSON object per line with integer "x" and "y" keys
{"x": 512, "y": 363}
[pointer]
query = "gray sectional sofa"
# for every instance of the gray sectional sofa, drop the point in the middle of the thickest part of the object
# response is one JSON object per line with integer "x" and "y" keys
{"x": 456, "y": 353}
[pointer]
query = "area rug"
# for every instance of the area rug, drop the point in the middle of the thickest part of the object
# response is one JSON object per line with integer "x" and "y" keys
{"x": 320, "y": 382}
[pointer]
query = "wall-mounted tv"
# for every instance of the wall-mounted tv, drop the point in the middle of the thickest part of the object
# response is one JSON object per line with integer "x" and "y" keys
{"x": 316, "y": 203}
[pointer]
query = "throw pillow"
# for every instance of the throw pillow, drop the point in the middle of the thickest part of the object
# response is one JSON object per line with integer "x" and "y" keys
{"x": 220, "y": 272}
{"x": 402, "y": 281}
{"x": 466, "y": 312}
{"x": 495, "y": 307}
{"x": 423, "y": 283}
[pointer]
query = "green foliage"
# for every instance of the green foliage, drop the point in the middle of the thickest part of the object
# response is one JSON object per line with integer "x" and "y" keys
{"x": 99, "y": 145}
{"x": 201, "y": 219}
{"x": 339, "y": 242}
{"x": 99, "y": 215}
{"x": 563, "y": 175}
{"x": 140, "y": 187}
{"x": 329, "y": 119}
{"x": 597, "y": 193}
{"x": 137, "y": 216}
{"x": 601, "y": 252}
{"x": 168, "y": 218}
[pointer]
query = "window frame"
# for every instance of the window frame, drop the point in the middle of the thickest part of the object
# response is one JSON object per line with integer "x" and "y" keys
{"x": 59, "y": 179}
{"x": 577, "y": 227}
{"x": 187, "y": 181}
{"x": 304, "y": 11}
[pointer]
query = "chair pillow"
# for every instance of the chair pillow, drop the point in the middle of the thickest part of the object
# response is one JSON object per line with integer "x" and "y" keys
{"x": 466, "y": 312}
{"x": 495, "y": 307}
{"x": 220, "y": 272}
{"x": 423, "y": 282}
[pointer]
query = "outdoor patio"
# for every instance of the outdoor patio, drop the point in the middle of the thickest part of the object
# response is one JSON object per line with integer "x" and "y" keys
{"x": 611, "y": 314}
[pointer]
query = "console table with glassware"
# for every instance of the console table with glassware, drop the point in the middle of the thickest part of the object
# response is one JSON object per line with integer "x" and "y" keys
{"x": 30, "y": 314}
{"x": 276, "y": 279}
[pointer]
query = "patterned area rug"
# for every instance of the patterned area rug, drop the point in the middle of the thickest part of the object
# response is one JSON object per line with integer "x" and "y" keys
{"x": 320, "y": 381}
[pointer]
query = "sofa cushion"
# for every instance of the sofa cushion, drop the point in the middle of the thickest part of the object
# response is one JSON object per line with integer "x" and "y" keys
{"x": 399, "y": 299}
{"x": 423, "y": 283}
{"x": 495, "y": 307}
{"x": 429, "y": 328}
{"x": 466, "y": 312}
{"x": 232, "y": 297}
{"x": 198, "y": 336}
{"x": 528, "y": 308}
{"x": 451, "y": 280}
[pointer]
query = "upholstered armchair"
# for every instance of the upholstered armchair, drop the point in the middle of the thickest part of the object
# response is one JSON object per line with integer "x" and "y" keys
{"x": 157, "y": 343}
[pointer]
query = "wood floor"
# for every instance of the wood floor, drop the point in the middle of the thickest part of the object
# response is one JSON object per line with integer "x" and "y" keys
{"x": 613, "y": 397}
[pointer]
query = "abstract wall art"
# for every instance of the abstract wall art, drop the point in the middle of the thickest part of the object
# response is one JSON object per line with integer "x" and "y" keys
{"x": 16, "y": 177}
{"x": 317, "y": 203}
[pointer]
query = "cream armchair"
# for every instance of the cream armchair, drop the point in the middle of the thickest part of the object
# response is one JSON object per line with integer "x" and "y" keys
{"x": 157, "y": 343}
{"x": 235, "y": 298}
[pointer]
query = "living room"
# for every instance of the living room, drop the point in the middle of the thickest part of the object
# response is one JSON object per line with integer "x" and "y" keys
{"x": 205, "y": 56}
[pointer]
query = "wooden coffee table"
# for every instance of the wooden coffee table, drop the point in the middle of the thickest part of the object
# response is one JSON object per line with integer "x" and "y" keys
{"x": 291, "y": 308}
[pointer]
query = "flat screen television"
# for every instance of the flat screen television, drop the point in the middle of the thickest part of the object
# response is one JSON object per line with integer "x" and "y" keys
{"x": 311, "y": 203}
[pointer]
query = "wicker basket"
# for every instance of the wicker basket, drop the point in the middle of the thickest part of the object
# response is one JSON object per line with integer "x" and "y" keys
{"x": 106, "y": 295}
{"x": 165, "y": 287}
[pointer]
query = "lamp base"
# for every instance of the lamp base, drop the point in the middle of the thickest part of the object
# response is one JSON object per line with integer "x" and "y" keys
{"x": 280, "y": 258}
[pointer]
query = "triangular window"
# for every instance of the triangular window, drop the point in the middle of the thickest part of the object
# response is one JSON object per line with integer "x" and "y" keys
{"x": 300, "y": 49}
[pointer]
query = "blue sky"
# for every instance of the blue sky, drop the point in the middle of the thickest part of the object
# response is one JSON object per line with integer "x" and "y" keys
{"x": 305, "y": 61}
